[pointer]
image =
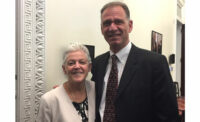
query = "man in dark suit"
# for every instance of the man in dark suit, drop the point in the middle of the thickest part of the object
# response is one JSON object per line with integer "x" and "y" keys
{"x": 145, "y": 91}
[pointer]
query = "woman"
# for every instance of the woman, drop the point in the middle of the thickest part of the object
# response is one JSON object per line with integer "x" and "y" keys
{"x": 74, "y": 100}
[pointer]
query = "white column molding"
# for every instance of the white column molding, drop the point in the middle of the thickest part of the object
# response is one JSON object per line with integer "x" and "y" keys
{"x": 30, "y": 58}
{"x": 180, "y": 4}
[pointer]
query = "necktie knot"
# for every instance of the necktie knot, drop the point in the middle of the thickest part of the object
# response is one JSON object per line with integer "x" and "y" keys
{"x": 114, "y": 59}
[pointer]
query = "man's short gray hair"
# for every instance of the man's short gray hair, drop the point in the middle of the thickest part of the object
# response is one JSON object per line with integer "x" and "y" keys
{"x": 75, "y": 47}
{"x": 117, "y": 3}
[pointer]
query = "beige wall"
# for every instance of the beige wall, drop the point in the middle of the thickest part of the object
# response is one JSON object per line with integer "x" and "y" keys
{"x": 68, "y": 21}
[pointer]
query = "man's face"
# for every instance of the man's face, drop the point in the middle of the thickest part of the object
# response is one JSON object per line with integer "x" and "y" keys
{"x": 76, "y": 66}
{"x": 115, "y": 27}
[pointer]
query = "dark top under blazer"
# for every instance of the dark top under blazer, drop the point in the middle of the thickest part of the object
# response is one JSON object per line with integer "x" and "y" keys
{"x": 145, "y": 92}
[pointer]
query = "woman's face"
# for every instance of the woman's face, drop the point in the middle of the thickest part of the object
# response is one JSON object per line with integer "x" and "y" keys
{"x": 76, "y": 66}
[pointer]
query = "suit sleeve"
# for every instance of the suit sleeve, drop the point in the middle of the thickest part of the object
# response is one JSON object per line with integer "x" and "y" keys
{"x": 44, "y": 114}
{"x": 164, "y": 97}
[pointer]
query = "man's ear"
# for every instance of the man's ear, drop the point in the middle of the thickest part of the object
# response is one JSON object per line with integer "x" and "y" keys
{"x": 130, "y": 25}
{"x": 64, "y": 70}
{"x": 101, "y": 29}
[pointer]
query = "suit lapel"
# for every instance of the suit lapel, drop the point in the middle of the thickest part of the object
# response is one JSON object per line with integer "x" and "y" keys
{"x": 101, "y": 74}
{"x": 129, "y": 70}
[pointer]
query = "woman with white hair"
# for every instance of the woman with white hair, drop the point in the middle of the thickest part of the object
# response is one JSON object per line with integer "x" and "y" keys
{"x": 74, "y": 100}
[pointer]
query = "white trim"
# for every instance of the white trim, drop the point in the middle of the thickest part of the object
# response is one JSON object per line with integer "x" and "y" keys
{"x": 180, "y": 3}
{"x": 30, "y": 57}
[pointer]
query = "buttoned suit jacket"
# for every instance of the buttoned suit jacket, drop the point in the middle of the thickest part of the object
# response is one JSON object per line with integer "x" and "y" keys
{"x": 145, "y": 92}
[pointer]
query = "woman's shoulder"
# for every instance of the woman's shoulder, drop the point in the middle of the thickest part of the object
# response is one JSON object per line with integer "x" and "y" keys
{"x": 52, "y": 94}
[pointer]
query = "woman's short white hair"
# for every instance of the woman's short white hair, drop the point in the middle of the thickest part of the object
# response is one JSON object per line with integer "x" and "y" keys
{"x": 75, "y": 47}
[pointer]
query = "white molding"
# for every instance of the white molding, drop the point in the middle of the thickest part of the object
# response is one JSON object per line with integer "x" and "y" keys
{"x": 30, "y": 43}
{"x": 180, "y": 20}
{"x": 180, "y": 3}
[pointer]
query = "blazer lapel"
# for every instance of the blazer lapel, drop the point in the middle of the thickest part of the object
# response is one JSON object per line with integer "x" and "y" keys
{"x": 129, "y": 70}
{"x": 70, "y": 109}
{"x": 91, "y": 101}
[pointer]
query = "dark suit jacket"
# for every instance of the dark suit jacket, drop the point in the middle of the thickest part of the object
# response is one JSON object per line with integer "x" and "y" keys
{"x": 145, "y": 92}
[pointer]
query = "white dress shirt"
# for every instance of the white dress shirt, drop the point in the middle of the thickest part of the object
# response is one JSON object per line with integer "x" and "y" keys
{"x": 122, "y": 56}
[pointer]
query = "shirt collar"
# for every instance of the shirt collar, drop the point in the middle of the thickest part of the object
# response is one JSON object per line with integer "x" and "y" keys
{"x": 122, "y": 55}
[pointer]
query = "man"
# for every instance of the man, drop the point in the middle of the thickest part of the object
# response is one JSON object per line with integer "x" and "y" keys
{"x": 144, "y": 90}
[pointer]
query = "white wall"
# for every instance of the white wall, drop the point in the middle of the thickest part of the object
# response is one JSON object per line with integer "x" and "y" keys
{"x": 157, "y": 15}
{"x": 68, "y": 21}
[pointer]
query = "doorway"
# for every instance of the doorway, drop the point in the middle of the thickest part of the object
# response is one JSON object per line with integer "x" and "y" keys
{"x": 180, "y": 57}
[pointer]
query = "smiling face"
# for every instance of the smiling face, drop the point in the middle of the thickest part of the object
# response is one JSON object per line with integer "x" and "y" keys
{"x": 76, "y": 66}
{"x": 115, "y": 27}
